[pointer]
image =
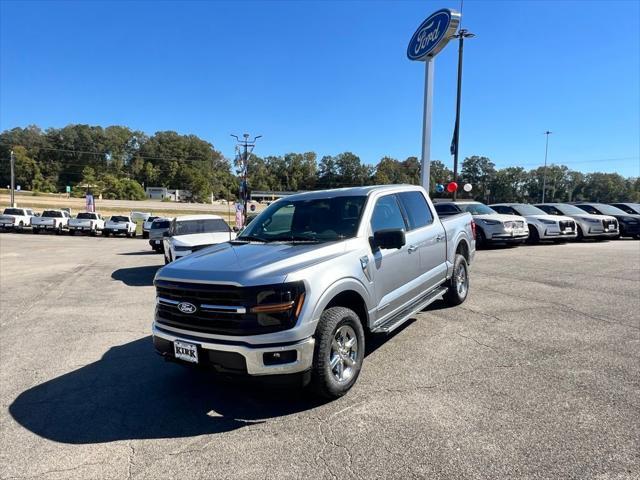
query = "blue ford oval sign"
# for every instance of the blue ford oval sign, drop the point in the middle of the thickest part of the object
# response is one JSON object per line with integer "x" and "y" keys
{"x": 433, "y": 34}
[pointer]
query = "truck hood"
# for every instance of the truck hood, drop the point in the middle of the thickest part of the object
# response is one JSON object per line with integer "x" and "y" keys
{"x": 196, "y": 239}
{"x": 249, "y": 264}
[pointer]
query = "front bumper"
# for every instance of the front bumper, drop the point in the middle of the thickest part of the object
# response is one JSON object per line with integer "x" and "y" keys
{"x": 155, "y": 243}
{"x": 550, "y": 233}
{"x": 228, "y": 356}
{"x": 509, "y": 237}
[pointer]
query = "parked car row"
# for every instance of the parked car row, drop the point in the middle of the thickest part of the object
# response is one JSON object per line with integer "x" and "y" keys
{"x": 60, "y": 221}
{"x": 518, "y": 222}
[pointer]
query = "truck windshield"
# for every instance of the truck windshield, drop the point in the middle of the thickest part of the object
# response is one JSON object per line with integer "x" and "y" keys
{"x": 52, "y": 214}
{"x": 160, "y": 224}
{"x": 477, "y": 209}
{"x": 13, "y": 211}
{"x": 321, "y": 219}
{"x": 86, "y": 216}
{"x": 208, "y": 225}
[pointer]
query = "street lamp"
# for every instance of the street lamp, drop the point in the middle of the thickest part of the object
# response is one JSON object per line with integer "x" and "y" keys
{"x": 245, "y": 165}
{"x": 544, "y": 175}
{"x": 461, "y": 35}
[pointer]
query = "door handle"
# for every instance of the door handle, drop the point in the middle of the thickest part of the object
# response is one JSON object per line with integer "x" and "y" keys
{"x": 412, "y": 248}
{"x": 439, "y": 238}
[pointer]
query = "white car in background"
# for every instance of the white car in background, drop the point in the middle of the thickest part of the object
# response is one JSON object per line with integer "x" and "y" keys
{"x": 190, "y": 233}
{"x": 89, "y": 222}
{"x": 55, "y": 220}
{"x": 16, "y": 218}
{"x": 542, "y": 226}
{"x": 589, "y": 226}
{"x": 120, "y": 224}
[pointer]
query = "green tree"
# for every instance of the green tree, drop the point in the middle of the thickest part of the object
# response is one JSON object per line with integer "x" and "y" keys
{"x": 479, "y": 172}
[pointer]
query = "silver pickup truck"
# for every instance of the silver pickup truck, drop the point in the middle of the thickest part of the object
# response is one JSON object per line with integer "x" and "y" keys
{"x": 296, "y": 291}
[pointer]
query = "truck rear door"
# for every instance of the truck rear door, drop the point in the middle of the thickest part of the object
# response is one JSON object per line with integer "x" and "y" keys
{"x": 426, "y": 236}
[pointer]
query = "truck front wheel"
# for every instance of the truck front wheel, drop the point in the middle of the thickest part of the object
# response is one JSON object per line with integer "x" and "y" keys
{"x": 339, "y": 352}
{"x": 459, "y": 283}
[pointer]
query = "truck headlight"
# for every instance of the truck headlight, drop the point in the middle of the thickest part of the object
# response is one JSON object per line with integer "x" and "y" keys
{"x": 279, "y": 304}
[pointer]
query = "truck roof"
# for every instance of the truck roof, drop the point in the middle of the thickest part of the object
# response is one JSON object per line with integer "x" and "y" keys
{"x": 348, "y": 192}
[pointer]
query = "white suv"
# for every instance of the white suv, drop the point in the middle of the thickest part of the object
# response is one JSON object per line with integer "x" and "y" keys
{"x": 190, "y": 233}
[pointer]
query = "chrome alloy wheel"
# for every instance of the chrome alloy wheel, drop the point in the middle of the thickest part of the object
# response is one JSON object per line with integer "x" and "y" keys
{"x": 461, "y": 280}
{"x": 344, "y": 354}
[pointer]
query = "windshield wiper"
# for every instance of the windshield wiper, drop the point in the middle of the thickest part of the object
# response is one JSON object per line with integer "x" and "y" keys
{"x": 294, "y": 238}
{"x": 249, "y": 238}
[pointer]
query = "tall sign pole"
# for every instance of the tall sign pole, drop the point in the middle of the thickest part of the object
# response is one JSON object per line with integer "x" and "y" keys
{"x": 13, "y": 180}
{"x": 429, "y": 39}
{"x": 462, "y": 34}
{"x": 544, "y": 174}
{"x": 244, "y": 189}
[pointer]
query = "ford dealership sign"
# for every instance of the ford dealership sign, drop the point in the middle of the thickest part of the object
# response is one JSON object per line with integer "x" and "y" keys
{"x": 433, "y": 34}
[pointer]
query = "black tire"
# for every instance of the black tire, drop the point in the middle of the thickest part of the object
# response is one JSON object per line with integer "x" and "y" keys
{"x": 59, "y": 230}
{"x": 580, "y": 235}
{"x": 20, "y": 227}
{"x": 481, "y": 238}
{"x": 133, "y": 234}
{"x": 145, "y": 235}
{"x": 458, "y": 285}
{"x": 324, "y": 380}
{"x": 534, "y": 236}
{"x": 105, "y": 233}
{"x": 35, "y": 230}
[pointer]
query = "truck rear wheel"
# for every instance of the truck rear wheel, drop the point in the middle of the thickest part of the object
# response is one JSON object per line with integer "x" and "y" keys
{"x": 339, "y": 352}
{"x": 459, "y": 283}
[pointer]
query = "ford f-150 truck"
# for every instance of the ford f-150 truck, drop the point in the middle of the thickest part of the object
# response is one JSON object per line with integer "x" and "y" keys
{"x": 296, "y": 291}
{"x": 55, "y": 220}
{"x": 16, "y": 218}
{"x": 89, "y": 222}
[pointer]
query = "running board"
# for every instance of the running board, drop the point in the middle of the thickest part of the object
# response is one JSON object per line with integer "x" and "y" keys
{"x": 406, "y": 313}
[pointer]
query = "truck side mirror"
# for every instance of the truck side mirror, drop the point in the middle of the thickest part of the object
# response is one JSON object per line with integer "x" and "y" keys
{"x": 389, "y": 239}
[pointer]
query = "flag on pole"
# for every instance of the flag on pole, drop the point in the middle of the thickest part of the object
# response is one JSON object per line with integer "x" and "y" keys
{"x": 452, "y": 149}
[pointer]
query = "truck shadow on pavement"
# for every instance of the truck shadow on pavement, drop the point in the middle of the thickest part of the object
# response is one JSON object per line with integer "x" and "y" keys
{"x": 131, "y": 393}
{"x": 136, "y": 276}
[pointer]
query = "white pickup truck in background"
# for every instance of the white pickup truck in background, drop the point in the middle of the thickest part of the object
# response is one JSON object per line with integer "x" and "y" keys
{"x": 16, "y": 218}
{"x": 120, "y": 224}
{"x": 89, "y": 222}
{"x": 55, "y": 220}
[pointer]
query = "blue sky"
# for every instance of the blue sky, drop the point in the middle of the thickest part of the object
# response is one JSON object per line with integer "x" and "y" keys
{"x": 333, "y": 76}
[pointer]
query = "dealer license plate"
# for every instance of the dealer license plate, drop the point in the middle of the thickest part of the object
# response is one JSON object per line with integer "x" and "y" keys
{"x": 157, "y": 242}
{"x": 186, "y": 351}
{"x": 568, "y": 230}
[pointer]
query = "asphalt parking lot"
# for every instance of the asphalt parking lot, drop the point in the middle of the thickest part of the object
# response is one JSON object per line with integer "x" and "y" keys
{"x": 535, "y": 376}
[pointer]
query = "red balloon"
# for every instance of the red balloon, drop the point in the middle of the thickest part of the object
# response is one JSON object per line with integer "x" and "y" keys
{"x": 452, "y": 187}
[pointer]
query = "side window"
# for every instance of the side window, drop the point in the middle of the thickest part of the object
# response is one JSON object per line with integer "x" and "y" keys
{"x": 416, "y": 208}
{"x": 445, "y": 209}
{"x": 387, "y": 214}
{"x": 500, "y": 209}
{"x": 554, "y": 211}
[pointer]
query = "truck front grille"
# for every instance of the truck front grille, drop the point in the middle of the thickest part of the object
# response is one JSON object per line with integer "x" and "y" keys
{"x": 223, "y": 309}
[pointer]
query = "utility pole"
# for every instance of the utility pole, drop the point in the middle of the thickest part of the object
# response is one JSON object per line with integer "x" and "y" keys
{"x": 13, "y": 180}
{"x": 461, "y": 35}
{"x": 544, "y": 175}
{"x": 248, "y": 148}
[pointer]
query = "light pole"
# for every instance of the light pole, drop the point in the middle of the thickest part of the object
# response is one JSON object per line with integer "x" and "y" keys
{"x": 13, "y": 180}
{"x": 245, "y": 167}
{"x": 461, "y": 35}
{"x": 544, "y": 174}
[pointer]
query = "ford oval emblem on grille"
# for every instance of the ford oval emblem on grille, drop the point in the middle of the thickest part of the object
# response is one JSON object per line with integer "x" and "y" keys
{"x": 186, "y": 307}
